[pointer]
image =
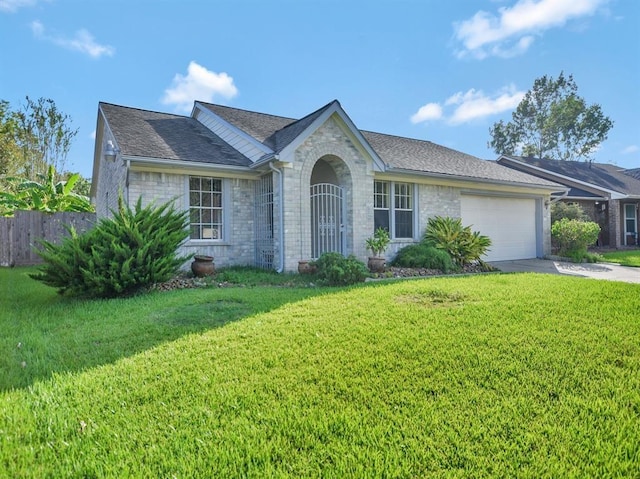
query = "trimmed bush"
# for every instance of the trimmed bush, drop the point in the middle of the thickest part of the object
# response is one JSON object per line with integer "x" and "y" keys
{"x": 422, "y": 255}
{"x": 571, "y": 211}
{"x": 573, "y": 237}
{"x": 462, "y": 244}
{"x": 119, "y": 256}
{"x": 336, "y": 270}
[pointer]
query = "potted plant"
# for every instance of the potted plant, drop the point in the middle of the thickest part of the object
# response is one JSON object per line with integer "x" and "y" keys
{"x": 377, "y": 244}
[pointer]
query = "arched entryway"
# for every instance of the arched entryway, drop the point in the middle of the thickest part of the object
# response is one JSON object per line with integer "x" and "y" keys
{"x": 327, "y": 209}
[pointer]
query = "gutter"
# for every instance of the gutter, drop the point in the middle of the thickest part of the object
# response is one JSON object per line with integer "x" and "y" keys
{"x": 281, "y": 229}
{"x": 467, "y": 179}
{"x": 555, "y": 199}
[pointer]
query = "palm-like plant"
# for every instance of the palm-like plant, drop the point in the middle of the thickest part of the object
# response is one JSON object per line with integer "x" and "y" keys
{"x": 48, "y": 196}
{"x": 462, "y": 244}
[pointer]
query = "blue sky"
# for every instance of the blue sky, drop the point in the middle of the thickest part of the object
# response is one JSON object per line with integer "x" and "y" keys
{"x": 442, "y": 71}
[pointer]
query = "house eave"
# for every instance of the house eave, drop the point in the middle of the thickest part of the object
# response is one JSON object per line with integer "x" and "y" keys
{"x": 337, "y": 109}
{"x": 470, "y": 179}
{"x": 615, "y": 195}
{"x": 183, "y": 166}
{"x": 197, "y": 107}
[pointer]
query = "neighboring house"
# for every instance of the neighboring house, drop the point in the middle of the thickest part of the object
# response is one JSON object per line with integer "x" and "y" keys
{"x": 610, "y": 195}
{"x": 271, "y": 191}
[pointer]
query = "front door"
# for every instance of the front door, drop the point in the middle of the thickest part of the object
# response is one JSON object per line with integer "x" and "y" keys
{"x": 327, "y": 227}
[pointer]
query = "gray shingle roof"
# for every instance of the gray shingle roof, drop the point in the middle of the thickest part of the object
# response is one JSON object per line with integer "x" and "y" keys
{"x": 259, "y": 125}
{"x": 162, "y": 135}
{"x": 398, "y": 152}
{"x": 425, "y": 156}
{"x": 603, "y": 175}
{"x": 275, "y": 132}
{"x": 634, "y": 173}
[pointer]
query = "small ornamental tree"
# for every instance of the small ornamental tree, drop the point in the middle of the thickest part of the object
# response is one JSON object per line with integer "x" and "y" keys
{"x": 120, "y": 255}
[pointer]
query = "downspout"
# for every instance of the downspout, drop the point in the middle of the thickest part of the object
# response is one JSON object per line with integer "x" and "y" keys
{"x": 281, "y": 226}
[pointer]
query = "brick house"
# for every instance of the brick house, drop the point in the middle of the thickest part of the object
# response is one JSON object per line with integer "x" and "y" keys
{"x": 270, "y": 191}
{"x": 610, "y": 195}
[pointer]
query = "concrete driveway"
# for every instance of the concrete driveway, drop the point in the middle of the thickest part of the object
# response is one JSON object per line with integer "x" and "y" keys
{"x": 606, "y": 271}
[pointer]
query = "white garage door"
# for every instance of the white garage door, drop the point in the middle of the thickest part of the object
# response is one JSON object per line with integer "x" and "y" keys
{"x": 509, "y": 222}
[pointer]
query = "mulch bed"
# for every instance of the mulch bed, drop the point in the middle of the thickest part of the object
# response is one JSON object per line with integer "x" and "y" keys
{"x": 186, "y": 280}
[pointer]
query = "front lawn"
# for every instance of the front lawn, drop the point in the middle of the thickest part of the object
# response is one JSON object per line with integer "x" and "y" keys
{"x": 625, "y": 258}
{"x": 485, "y": 376}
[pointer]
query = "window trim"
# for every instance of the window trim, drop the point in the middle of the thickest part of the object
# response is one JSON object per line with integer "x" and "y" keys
{"x": 224, "y": 209}
{"x": 391, "y": 206}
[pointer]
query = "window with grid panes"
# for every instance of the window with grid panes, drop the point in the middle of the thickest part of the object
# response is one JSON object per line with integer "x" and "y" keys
{"x": 205, "y": 207}
{"x": 393, "y": 214}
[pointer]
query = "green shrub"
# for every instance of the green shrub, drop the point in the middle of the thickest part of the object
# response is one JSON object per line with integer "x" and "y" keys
{"x": 421, "y": 255}
{"x": 462, "y": 244}
{"x": 571, "y": 211}
{"x": 573, "y": 237}
{"x": 119, "y": 256}
{"x": 336, "y": 270}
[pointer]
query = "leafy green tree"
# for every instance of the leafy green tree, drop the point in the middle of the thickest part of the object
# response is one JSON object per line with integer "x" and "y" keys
{"x": 44, "y": 135}
{"x": 11, "y": 159}
{"x": 552, "y": 121}
{"x": 32, "y": 138}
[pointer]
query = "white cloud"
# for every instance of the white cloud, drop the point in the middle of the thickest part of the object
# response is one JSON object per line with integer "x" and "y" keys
{"x": 630, "y": 149}
{"x": 470, "y": 105}
{"x": 511, "y": 31}
{"x": 82, "y": 42}
{"x": 430, "y": 111}
{"x": 14, "y": 5}
{"x": 198, "y": 84}
{"x": 93, "y": 135}
{"x": 475, "y": 104}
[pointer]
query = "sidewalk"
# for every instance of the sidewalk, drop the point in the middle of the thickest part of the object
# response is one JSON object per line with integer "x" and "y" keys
{"x": 606, "y": 271}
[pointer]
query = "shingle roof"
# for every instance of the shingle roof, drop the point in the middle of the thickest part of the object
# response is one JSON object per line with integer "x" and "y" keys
{"x": 634, "y": 173}
{"x": 603, "y": 175}
{"x": 162, "y": 135}
{"x": 259, "y": 125}
{"x": 425, "y": 156}
{"x": 398, "y": 152}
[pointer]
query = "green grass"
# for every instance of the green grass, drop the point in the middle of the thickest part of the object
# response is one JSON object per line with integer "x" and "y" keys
{"x": 492, "y": 376}
{"x": 625, "y": 258}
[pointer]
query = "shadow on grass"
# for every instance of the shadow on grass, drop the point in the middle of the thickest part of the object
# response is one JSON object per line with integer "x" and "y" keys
{"x": 45, "y": 334}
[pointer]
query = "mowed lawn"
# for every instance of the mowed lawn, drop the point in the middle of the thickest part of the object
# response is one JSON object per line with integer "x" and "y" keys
{"x": 482, "y": 376}
{"x": 624, "y": 257}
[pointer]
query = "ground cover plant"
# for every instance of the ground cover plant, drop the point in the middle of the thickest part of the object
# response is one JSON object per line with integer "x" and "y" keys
{"x": 481, "y": 376}
{"x": 625, "y": 258}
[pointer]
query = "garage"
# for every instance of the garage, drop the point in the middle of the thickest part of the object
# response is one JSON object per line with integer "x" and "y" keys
{"x": 509, "y": 222}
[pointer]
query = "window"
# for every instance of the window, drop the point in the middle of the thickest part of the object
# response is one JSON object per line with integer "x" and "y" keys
{"x": 395, "y": 216}
{"x": 205, "y": 207}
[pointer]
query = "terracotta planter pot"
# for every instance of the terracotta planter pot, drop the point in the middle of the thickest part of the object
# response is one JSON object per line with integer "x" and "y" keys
{"x": 376, "y": 264}
{"x": 305, "y": 267}
{"x": 202, "y": 266}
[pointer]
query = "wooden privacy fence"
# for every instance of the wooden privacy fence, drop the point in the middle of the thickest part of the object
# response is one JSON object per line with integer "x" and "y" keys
{"x": 19, "y": 235}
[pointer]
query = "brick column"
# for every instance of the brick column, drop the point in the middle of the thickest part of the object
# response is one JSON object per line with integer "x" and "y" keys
{"x": 614, "y": 224}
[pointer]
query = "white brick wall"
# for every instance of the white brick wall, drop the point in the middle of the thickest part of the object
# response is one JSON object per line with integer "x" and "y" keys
{"x": 354, "y": 174}
{"x": 237, "y": 246}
